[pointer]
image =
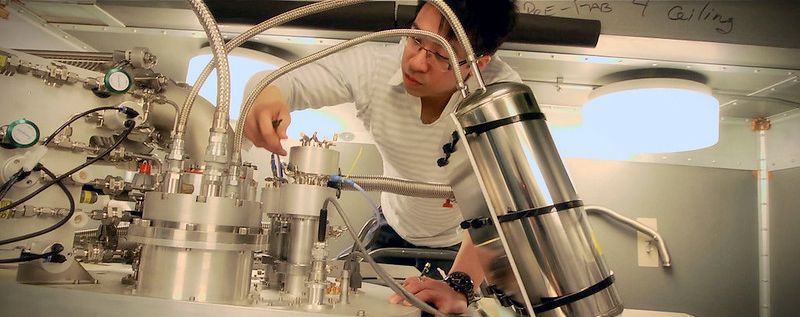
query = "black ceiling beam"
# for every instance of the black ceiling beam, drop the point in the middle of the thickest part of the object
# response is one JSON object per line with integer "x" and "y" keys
{"x": 384, "y": 15}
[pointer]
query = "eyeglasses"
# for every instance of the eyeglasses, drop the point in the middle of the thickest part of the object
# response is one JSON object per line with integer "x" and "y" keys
{"x": 439, "y": 61}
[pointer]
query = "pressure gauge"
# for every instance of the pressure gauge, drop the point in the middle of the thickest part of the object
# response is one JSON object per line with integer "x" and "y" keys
{"x": 20, "y": 134}
{"x": 117, "y": 81}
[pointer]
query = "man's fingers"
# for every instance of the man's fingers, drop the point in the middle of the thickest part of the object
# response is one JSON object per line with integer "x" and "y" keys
{"x": 251, "y": 133}
{"x": 283, "y": 125}
{"x": 269, "y": 136}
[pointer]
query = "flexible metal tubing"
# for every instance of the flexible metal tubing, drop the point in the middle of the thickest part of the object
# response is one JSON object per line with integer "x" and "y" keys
{"x": 400, "y": 186}
{"x": 220, "y": 123}
{"x": 248, "y": 104}
{"x": 321, "y": 6}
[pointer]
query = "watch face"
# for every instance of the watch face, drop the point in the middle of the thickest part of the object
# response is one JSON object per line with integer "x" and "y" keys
{"x": 24, "y": 134}
{"x": 118, "y": 81}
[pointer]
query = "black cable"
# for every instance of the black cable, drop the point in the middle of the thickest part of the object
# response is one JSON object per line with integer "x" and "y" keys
{"x": 52, "y": 256}
{"x": 57, "y": 224}
{"x": 76, "y": 117}
{"x": 129, "y": 124}
{"x": 127, "y": 111}
{"x": 16, "y": 177}
{"x": 6, "y": 187}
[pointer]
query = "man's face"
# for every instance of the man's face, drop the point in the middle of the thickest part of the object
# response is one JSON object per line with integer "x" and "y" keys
{"x": 423, "y": 73}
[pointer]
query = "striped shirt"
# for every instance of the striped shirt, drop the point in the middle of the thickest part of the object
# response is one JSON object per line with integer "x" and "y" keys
{"x": 369, "y": 75}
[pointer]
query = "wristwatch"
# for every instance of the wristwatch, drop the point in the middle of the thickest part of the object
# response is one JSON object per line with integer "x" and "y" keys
{"x": 462, "y": 283}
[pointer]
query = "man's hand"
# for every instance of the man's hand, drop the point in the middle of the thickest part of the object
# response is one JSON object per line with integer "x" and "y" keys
{"x": 434, "y": 292}
{"x": 267, "y": 109}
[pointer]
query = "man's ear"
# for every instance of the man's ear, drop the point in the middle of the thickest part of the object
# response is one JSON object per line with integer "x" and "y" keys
{"x": 483, "y": 61}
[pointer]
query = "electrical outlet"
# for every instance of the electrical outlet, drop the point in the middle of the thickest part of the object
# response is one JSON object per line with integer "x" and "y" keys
{"x": 646, "y": 250}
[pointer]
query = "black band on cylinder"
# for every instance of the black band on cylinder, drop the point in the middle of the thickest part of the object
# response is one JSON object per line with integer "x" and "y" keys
{"x": 516, "y": 215}
{"x": 549, "y": 303}
{"x": 483, "y": 127}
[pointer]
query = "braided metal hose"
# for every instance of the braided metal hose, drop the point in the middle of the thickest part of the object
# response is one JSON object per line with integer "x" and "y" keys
{"x": 250, "y": 33}
{"x": 400, "y": 186}
{"x": 223, "y": 75}
{"x": 447, "y": 13}
{"x": 249, "y": 103}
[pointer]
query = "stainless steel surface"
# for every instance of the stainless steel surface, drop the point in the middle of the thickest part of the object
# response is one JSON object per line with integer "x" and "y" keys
{"x": 208, "y": 241}
{"x": 661, "y": 246}
{"x": 189, "y": 239}
{"x": 184, "y": 208}
{"x": 111, "y": 295}
{"x": 221, "y": 276}
{"x": 37, "y": 272}
{"x": 521, "y": 170}
{"x": 301, "y": 237}
{"x": 270, "y": 199}
{"x": 314, "y": 160}
{"x": 302, "y": 234}
{"x": 303, "y": 200}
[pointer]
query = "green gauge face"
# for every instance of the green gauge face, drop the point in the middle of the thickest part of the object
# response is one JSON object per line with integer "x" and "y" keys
{"x": 23, "y": 133}
{"x": 117, "y": 80}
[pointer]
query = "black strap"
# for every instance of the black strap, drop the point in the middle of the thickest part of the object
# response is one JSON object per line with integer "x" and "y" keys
{"x": 476, "y": 223}
{"x": 507, "y": 300}
{"x": 516, "y": 215}
{"x": 483, "y": 127}
{"x": 549, "y": 303}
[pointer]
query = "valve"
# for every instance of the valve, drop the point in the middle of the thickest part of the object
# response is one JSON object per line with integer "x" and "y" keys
{"x": 19, "y": 134}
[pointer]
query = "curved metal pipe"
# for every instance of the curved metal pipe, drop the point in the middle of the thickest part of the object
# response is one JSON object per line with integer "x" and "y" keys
{"x": 400, "y": 186}
{"x": 250, "y": 33}
{"x": 220, "y": 123}
{"x": 249, "y": 103}
{"x": 446, "y": 12}
{"x": 660, "y": 245}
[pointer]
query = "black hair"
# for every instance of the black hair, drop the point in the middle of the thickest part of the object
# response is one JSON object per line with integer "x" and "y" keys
{"x": 486, "y": 22}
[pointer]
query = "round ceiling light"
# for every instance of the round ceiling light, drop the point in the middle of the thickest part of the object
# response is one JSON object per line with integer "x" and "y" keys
{"x": 654, "y": 115}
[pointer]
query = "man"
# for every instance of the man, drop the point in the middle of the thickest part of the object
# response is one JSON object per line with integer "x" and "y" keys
{"x": 403, "y": 95}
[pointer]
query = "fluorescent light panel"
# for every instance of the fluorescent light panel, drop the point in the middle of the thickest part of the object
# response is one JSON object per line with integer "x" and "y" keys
{"x": 653, "y": 115}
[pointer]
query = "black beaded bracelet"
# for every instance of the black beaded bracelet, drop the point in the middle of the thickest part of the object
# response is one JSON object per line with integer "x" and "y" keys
{"x": 462, "y": 283}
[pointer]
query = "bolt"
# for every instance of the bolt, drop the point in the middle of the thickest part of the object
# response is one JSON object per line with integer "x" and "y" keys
{"x": 243, "y": 230}
{"x": 361, "y": 313}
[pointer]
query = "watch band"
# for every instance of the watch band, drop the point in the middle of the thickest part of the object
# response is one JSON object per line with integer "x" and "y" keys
{"x": 462, "y": 283}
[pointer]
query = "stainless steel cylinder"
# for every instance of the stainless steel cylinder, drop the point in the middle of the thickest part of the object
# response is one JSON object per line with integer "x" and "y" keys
{"x": 197, "y": 248}
{"x": 302, "y": 234}
{"x": 314, "y": 160}
{"x": 540, "y": 229}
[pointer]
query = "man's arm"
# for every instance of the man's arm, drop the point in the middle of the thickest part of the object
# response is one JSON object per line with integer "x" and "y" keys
{"x": 438, "y": 293}
{"x": 336, "y": 79}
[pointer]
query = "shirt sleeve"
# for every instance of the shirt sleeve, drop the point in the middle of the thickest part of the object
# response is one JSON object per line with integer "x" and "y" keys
{"x": 339, "y": 78}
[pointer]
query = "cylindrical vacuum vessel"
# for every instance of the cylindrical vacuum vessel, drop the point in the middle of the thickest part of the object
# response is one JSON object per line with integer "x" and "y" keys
{"x": 522, "y": 210}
